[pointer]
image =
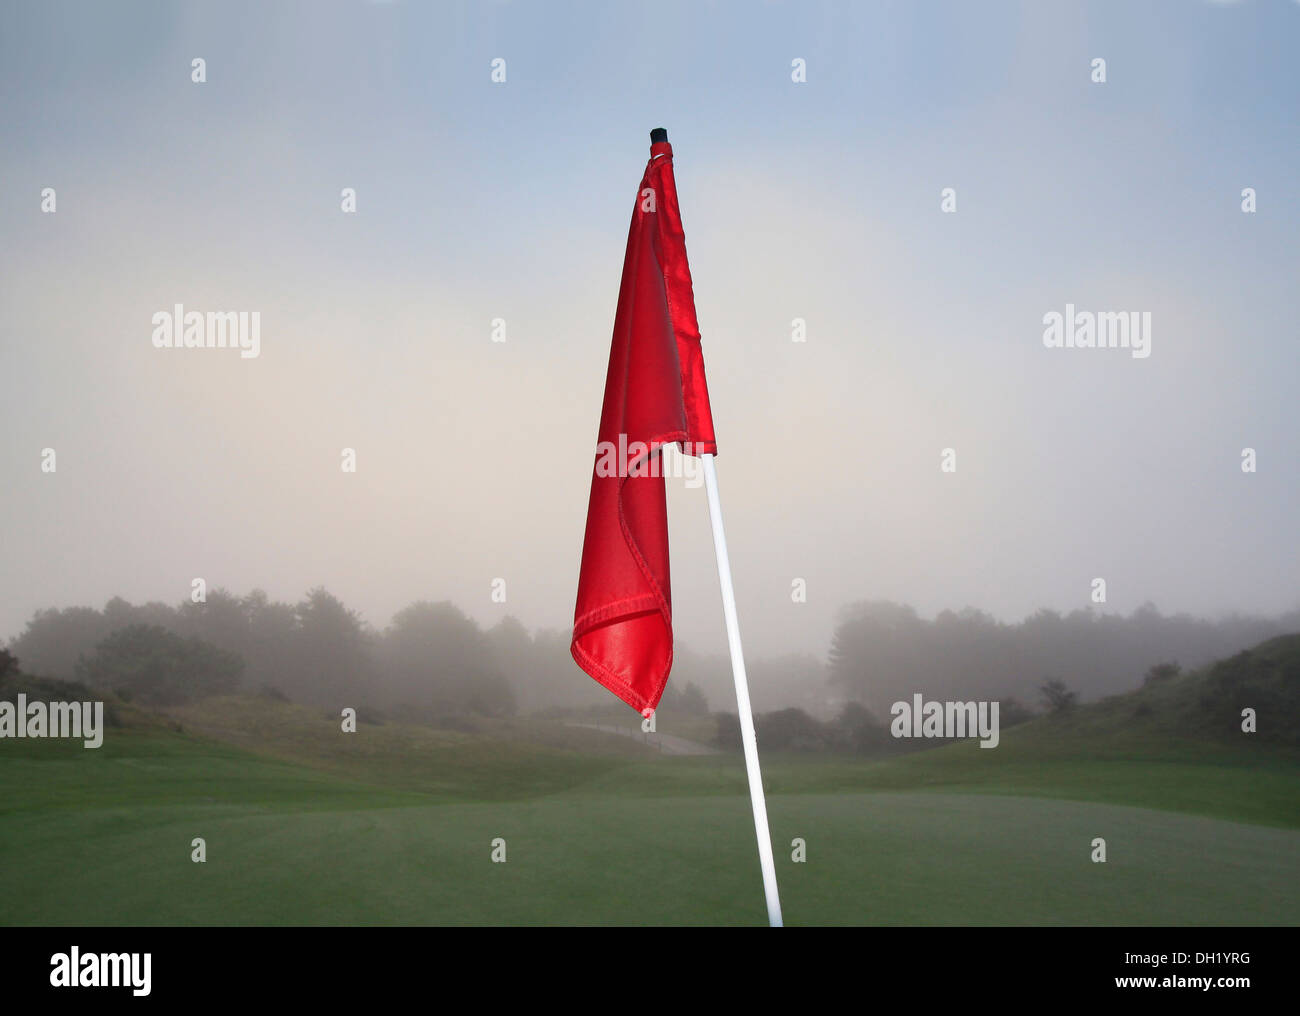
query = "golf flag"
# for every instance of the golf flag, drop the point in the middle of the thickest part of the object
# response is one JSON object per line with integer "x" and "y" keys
{"x": 655, "y": 394}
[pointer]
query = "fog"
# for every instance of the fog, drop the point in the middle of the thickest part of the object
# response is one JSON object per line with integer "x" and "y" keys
{"x": 820, "y": 201}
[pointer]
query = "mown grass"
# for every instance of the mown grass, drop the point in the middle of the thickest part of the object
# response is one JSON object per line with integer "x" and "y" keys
{"x": 394, "y": 824}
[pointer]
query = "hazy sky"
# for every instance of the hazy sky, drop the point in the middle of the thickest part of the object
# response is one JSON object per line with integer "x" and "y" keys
{"x": 817, "y": 200}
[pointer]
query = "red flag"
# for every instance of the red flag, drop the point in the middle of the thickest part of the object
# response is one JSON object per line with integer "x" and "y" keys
{"x": 655, "y": 394}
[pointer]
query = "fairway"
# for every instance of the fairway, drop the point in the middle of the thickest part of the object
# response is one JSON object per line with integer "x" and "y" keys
{"x": 104, "y": 838}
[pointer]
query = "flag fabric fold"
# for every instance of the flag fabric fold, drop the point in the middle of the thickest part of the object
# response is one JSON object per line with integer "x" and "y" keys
{"x": 655, "y": 394}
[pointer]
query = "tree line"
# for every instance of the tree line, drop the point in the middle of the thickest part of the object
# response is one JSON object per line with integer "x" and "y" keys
{"x": 884, "y": 652}
{"x": 433, "y": 661}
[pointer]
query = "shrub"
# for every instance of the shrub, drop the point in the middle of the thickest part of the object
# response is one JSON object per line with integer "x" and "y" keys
{"x": 151, "y": 665}
{"x": 1057, "y": 696}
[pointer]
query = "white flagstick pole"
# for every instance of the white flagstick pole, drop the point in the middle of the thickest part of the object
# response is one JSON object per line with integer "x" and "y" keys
{"x": 742, "y": 698}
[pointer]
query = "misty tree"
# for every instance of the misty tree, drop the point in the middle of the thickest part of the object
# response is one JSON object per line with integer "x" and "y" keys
{"x": 728, "y": 735}
{"x": 154, "y": 666}
{"x": 513, "y": 655}
{"x": 334, "y": 648}
{"x": 272, "y": 646}
{"x": 1057, "y": 696}
{"x": 883, "y": 652}
{"x": 437, "y": 659}
{"x": 791, "y": 730}
{"x": 857, "y": 730}
{"x": 871, "y": 646}
{"x": 55, "y": 639}
{"x": 221, "y": 619}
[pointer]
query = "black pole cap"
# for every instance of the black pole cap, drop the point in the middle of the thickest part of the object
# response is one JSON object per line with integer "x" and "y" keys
{"x": 658, "y": 135}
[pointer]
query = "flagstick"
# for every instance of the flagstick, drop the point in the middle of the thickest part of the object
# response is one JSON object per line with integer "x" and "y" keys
{"x": 742, "y": 698}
